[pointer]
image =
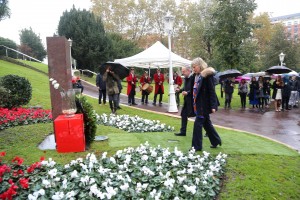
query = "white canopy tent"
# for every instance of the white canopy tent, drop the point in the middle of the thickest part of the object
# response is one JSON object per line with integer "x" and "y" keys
{"x": 155, "y": 56}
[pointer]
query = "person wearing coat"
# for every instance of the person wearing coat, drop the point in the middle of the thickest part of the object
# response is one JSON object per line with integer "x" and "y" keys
{"x": 243, "y": 91}
{"x": 286, "y": 93}
{"x": 112, "y": 88}
{"x": 187, "y": 92}
{"x": 159, "y": 79}
{"x": 295, "y": 86}
{"x": 145, "y": 79}
{"x": 253, "y": 92}
{"x": 131, "y": 85}
{"x": 205, "y": 102}
{"x": 101, "y": 85}
{"x": 177, "y": 81}
{"x": 277, "y": 93}
{"x": 228, "y": 89}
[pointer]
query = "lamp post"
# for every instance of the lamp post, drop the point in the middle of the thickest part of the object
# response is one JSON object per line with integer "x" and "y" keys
{"x": 281, "y": 58}
{"x": 169, "y": 20}
{"x": 70, "y": 42}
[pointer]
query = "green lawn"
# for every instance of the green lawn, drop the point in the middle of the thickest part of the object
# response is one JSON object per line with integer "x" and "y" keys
{"x": 257, "y": 168}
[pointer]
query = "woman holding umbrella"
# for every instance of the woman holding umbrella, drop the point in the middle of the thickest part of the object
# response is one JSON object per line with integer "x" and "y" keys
{"x": 112, "y": 88}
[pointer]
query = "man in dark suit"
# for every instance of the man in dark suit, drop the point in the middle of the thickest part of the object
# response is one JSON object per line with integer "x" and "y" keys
{"x": 187, "y": 92}
{"x": 205, "y": 102}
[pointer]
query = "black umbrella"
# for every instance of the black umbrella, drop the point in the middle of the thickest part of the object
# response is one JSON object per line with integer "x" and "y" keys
{"x": 230, "y": 73}
{"x": 117, "y": 68}
{"x": 278, "y": 70}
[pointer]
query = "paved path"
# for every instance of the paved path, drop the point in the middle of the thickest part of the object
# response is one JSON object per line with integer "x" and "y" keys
{"x": 283, "y": 127}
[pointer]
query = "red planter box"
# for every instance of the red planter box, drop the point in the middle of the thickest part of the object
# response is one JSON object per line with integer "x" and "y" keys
{"x": 69, "y": 133}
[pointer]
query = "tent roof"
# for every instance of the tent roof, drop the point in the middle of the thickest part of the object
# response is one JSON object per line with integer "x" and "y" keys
{"x": 155, "y": 56}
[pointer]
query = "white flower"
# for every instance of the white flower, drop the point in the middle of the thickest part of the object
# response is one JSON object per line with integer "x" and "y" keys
{"x": 74, "y": 174}
{"x": 145, "y": 157}
{"x": 64, "y": 184}
{"x": 85, "y": 180}
{"x": 51, "y": 79}
{"x": 46, "y": 183}
{"x": 169, "y": 183}
{"x": 52, "y": 172}
{"x": 41, "y": 192}
{"x": 124, "y": 187}
{"x": 104, "y": 155}
{"x": 175, "y": 162}
{"x": 110, "y": 191}
{"x": 32, "y": 197}
{"x": 191, "y": 189}
{"x": 181, "y": 178}
{"x": 56, "y": 86}
{"x": 53, "y": 82}
{"x": 58, "y": 196}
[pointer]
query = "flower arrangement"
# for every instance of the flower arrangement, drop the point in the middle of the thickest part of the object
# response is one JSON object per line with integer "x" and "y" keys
{"x": 144, "y": 172}
{"x": 23, "y": 116}
{"x": 133, "y": 124}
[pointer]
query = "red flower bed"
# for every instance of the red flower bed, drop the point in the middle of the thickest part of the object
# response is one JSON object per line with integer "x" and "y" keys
{"x": 23, "y": 116}
{"x": 15, "y": 177}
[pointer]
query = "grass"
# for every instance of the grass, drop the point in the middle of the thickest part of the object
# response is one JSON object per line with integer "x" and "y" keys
{"x": 257, "y": 168}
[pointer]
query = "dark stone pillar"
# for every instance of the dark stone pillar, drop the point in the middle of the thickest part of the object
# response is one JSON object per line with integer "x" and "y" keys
{"x": 59, "y": 68}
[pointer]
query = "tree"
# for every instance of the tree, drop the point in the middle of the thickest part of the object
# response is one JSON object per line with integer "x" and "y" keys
{"x": 91, "y": 46}
{"x": 33, "y": 43}
{"x": 280, "y": 43}
{"x": 8, "y": 43}
{"x": 231, "y": 28}
{"x": 122, "y": 48}
{"x": 4, "y": 9}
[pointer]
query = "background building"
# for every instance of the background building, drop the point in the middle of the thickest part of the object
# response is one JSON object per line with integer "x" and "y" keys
{"x": 291, "y": 24}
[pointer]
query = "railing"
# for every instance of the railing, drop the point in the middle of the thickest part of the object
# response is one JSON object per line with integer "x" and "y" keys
{"x": 18, "y": 52}
{"x": 84, "y": 70}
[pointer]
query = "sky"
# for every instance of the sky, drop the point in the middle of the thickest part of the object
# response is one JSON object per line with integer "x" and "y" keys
{"x": 43, "y": 15}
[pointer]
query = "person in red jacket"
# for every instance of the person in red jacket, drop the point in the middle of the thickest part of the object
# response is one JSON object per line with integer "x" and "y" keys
{"x": 145, "y": 79}
{"x": 131, "y": 84}
{"x": 177, "y": 81}
{"x": 159, "y": 79}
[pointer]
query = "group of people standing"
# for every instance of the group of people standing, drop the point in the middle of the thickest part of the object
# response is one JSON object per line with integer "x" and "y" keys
{"x": 285, "y": 92}
{"x": 200, "y": 99}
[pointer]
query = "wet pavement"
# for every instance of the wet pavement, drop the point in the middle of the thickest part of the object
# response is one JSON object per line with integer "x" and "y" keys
{"x": 283, "y": 127}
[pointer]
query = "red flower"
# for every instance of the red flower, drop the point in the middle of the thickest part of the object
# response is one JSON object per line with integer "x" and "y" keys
{"x": 8, "y": 194}
{"x": 3, "y": 169}
{"x": 18, "y": 160}
{"x": 24, "y": 183}
{"x": 2, "y": 154}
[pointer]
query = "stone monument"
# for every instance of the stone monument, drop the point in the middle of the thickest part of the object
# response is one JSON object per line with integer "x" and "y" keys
{"x": 59, "y": 68}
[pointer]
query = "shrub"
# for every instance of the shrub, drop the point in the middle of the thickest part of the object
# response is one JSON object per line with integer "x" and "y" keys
{"x": 17, "y": 91}
{"x": 90, "y": 119}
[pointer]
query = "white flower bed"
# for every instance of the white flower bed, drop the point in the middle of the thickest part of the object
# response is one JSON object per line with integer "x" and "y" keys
{"x": 141, "y": 173}
{"x": 133, "y": 124}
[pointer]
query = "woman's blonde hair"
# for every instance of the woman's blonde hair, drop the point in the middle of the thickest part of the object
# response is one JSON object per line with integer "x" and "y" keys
{"x": 199, "y": 62}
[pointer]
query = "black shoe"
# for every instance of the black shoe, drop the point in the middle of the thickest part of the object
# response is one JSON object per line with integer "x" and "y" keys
{"x": 179, "y": 134}
{"x": 215, "y": 146}
{"x": 104, "y": 102}
{"x": 160, "y": 103}
{"x": 154, "y": 103}
{"x": 205, "y": 135}
{"x": 195, "y": 149}
{"x": 146, "y": 102}
{"x": 130, "y": 104}
{"x": 134, "y": 104}
{"x": 119, "y": 107}
{"x": 99, "y": 102}
{"x": 142, "y": 102}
